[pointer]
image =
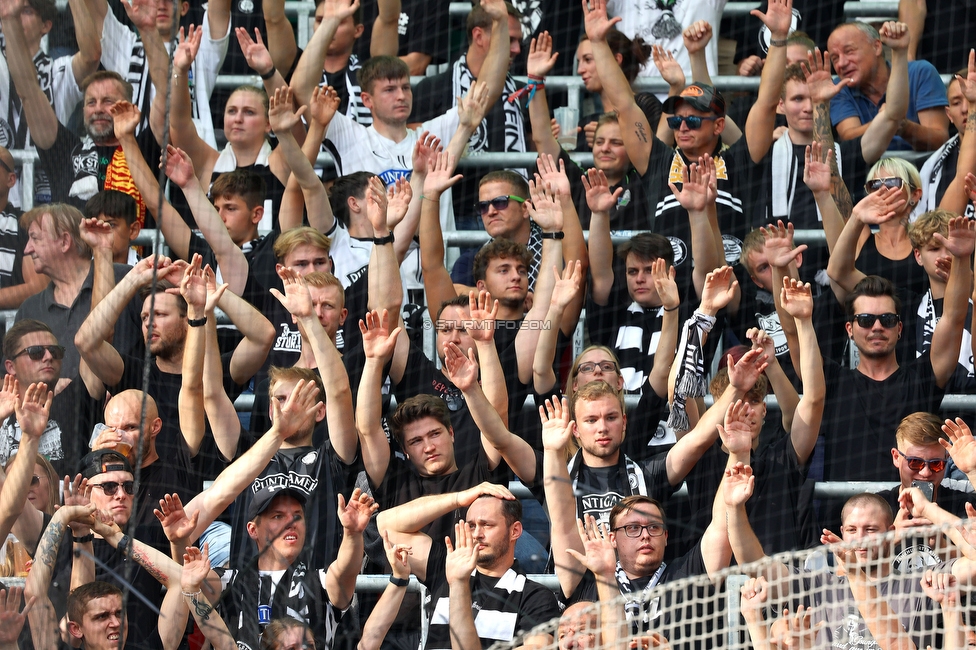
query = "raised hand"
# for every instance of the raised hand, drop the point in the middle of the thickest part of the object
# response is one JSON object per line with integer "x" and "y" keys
{"x": 482, "y": 318}
{"x": 462, "y": 369}
{"x": 125, "y": 118}
{"x": 797, "y": 299}
{"x": 751, "y": 66}
{"x": 816, "y": 167}
{"x": 97, "y": 234}
{"x": 103, "y": 524}
{"x": 12, "y": 618}
{"x": 34, "y": 410}
{"x": 598, "y": 196}
{"x": 544, "y": 208}
{"x": 355, "y": 515}
{"x": 323, "y": 105}
{"x": 744, "y": 374}
{"x": 913, "y": 501}
{"x": 255, "y": 52}
{"x": 142, "y": 13}
{"x": 600, "y": 556}
{"x": 176, "y": 525}
{"x": 196, "y": 568}
{"x": 761, "y": 340}
{"x": 669, "y": 68}
{"x": 667, "y": 288}
{"x": 339, "y": 10}
{"x": 423, "y": 152}
{"x": 595, "y": 19}
{"x": 557, "y": 428}
{"x": 754, "y": 593}
{"x": 9, "y": 396}
{"x": 296, "y": 299}
{"x": 214, "y": 291}
{"x": 496, "y": 9}
{"x": 187, "y": 49}
{"x": 737, "y": 433}
{"x": 881, "y": 206}
{"x": 968, "y": 84}
{"x": 378, "y": 341}
{"x": 697, "y": 35}
{"x": 472, "y": 107}
{"x": 297, "y": 409}
{"x": 694, "y": 188}
{"x": 441, "y": 176}
{"x": 398, "y": 555}
{"x": 961, "y": 444}
{"x": 554, "y": 176}
{"x": 377, "y": 203}
{"x": 895, "y": 35}
{"x": 462, "y": 559}
{"x": 193, "y": 285}
{"x": 398, "y": 199}
{"x": 970, "y": 185}
{"x": 941, "y": 587}
{"x": 779, "y": 245}
{"x": 281, "y": 112}
{"x": 820, "y": 82}
{"x": 962, "y": 237}
{"x": 739, "y": 484}
{"x": 179, "y": 167}
{"x": 706, "y": 165}
{"x": 719, "y": 289}
{"x": 778, "y": 18}
{"x": 541, "y": 58}
{"x": 567, "y": 286}
{"x": 75, "y": 492}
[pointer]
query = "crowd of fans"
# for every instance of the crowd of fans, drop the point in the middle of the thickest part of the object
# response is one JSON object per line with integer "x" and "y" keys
{"x": 192, "y": 522}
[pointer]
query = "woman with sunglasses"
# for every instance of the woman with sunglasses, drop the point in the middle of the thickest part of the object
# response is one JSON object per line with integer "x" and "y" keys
{"x": 893, "y": 190}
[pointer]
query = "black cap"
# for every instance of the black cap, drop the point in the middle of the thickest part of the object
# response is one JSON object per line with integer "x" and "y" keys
{"x": 263, "y": 498}
{"x": 701, "y": 97}
{"x": 104, "y": 460}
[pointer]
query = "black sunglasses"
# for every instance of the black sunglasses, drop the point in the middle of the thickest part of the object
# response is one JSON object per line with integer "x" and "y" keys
{"x": 875, "y": 184}
{"x": 694, "y": 122}
{"x": 111, "y": 487}
{"x": 35, "y": 480}
{"x": 36, "y": 352}
{"x": 867, "y": 320}
{"x": 6, "y": 166}
{"x": 916, "y": 464}
{"x": 499, "y": 203}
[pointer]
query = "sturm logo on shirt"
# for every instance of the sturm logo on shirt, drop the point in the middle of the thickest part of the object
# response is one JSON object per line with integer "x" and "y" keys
{"x": 275, "y": 482}
{"x": 310, "y": 458}
{"x": 86, "y": 164}
{"x": 680, "y": 250}
{"x": 288, "y": 340}
{"x": 733, "y": 249}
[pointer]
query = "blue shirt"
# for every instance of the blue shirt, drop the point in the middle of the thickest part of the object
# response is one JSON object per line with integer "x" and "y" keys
{"x": 925, "y": 90}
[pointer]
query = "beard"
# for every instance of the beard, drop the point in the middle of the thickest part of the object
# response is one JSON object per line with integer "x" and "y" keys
{"x": 104, "y": 135}
{"x": 165, "y": 349}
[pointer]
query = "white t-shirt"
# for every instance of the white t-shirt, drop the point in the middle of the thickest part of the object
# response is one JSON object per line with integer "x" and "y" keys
{"x": 656, "y": 26}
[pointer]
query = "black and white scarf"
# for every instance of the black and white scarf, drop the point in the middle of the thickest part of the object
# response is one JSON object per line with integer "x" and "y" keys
{"x": 638, "y": 605}
{"x": 461, "y": 82}
{"x": 931, "y": 174}
{"x": 635, "y": 475}
{"x": 690, "y": 379}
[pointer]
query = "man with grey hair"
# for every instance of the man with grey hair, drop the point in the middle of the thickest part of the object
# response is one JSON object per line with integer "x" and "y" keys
{"x": 858, "y": 58}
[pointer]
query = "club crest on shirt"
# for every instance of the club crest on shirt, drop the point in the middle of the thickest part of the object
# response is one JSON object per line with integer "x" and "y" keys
{"x": 680, "y": 249}
{"x": 391, "y": 176}
{"x": 733, "y": 249}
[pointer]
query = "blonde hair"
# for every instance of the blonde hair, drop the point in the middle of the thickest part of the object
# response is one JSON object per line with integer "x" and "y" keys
{"x": 900, "y": 168}
{"x": 292, "y": 239}
{"x": 322, "y": 279}
{"x": 922, "y": 429}
{"x": 927, "y": 224}
{"x": 64, "y": 219}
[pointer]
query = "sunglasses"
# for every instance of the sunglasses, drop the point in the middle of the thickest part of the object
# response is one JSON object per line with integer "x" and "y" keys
{"x": 917, "y": 464}
{"x": 36, "y": 352}
{"x": 35, "y": 480}
{"x": 875, "y": 184}
{"x": 499, "y": 203}
{"x": 605, "y": 366}
{"x": 694, "y": 122}
{"x": 6, "y": 166}
{"x": 867, "y": 320}
{"x": 111, "y": 487}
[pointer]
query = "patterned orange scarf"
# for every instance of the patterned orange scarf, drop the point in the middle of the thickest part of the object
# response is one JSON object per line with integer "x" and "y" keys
{"x": 117, "y": 177}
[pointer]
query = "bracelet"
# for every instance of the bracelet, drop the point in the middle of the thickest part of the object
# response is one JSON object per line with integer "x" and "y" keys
{"x": 399, "y": 582}
{"x": 672, "y": 309}
{"x": 778, "y": 43}
{"x": 553, "y": 235}
{"x": 535, "y": 83}
{"x": 380, "y": 241}
{"x": 270, "y": 73}
{"x": 197, "y": 322}
{"x": 427, "y": 198}
{"x": 192, "y": 594}
{"x": 84, "y": 539}
{"x": 123, "y": 547}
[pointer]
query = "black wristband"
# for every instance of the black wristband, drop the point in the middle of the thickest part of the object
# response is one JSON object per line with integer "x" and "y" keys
{"x": 553, "y": 235}
{"x": 270, "y": 73}
{"x": 380, "y": 241}
{"x": 197, "y": 322}
{"x": 399, "y": 582}
{"x": 778, "y": 43}
{"x": 123, "y": 547}
{"x": 84, "y": 539}
{"x": 672, "y": 309}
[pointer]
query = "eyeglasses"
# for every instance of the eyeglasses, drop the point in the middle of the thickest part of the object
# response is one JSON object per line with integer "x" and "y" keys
{"x": 867, "y": 320}
{"x": 111, "y": 487}
{"x": 694, "y": 122}
{"x": 917, "y": 464}
{"x": 36, "y": 352}
{"x": 35, "y": 480}
{"x": 499, "y": 203}
{"x": 605, "y": 366}
{"x": 636, "y": 530}
{"x": 875, "y": 184}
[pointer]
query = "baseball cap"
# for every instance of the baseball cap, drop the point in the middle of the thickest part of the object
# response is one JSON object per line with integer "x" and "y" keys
{"x": 699, "y": 96}
{"x": 263, "y": 498}
{"x": 104, "y": 460}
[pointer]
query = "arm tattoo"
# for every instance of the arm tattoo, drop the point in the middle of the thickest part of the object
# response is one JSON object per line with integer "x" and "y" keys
{"x": 971, "y": 122}
{"x": 641, "y": 133}
{"x": 823, "y": 131}
{"x": 201, "y": 609}
{"x": 143, "y": 559}
{"x": 47, "y": 550}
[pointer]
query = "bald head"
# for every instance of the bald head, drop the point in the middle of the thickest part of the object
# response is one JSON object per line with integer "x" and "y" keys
{"x": 123, "y": 414}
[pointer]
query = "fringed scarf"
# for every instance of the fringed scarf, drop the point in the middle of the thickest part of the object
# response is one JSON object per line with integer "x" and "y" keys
{"x": 690, "y": 379}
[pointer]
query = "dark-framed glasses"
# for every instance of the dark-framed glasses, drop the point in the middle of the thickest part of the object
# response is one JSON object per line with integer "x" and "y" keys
{"x": 694, "y": 122}
{"x": 499, "y": 203}
{"x": 111, "y": 487}
{"x": 36, "y": 352}
{"x": 636, "y": 530}
{"x": 918, "y": 464}
{"x": 867, "y": 320}
{"x": 591, "y": 366}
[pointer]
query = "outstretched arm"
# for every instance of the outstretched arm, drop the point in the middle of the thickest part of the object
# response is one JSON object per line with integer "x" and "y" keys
{"x": 762, "y": 116}
{"x": 539, "y": 64}
{"x": 32, "y": 410}
{"x": 495, "y": 66}
{"x": 462, "y": 560}
{"x": 36, "y": 108}
{"x": 340, "y": 581}
{"x": 888, "y": 121}
{"x": 86, "y": 59}
{"x": 384, "y": 39}
{"x": 438, "y": 285}
{"x": 193, "y": 580}
{"x": 956, "y": 198}
{"x": 567, "y": 286}
{"x": 822, "y": 90}
{"x": 388, "y": 606}
{"x": 600, "y": 245}
{"x": 798, "y": 302}
{"x": 667, "y": 291}
{"x": 948, "y": 333}
{"x": 308, "y": 71}
{"x": 282, "y": 45}
{"x": 379, "y": 344}
{"x": 193, "y": 288}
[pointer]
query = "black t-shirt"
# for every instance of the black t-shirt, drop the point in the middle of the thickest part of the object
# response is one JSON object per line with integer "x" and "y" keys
{"x": 423, "y": 27}
{"x": 598, "y": 489}
{"x": 906, "y": 274}
{"x": 947, "y": 36}
{"x": 947, "y": 498}
{"x": 861, "y": 416}
{"x": 630, "y": 213}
